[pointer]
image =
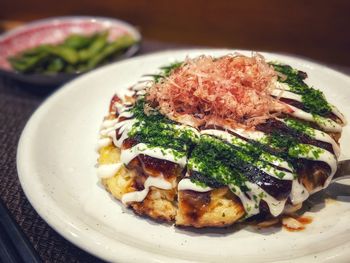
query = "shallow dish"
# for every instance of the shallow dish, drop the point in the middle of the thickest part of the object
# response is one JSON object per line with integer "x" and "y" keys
{"x": 52, "y": 31}
{"x": 56, "y": 161}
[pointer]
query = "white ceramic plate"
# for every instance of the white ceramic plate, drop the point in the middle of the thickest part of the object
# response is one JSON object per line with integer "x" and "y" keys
{"x": 56, "y": 165}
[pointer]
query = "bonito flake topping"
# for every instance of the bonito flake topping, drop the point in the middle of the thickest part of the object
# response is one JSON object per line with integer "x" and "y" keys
{"x": 233, "y": 90}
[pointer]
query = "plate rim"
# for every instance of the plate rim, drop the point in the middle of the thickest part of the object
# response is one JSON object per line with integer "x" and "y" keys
{"x": 126, "y": 253}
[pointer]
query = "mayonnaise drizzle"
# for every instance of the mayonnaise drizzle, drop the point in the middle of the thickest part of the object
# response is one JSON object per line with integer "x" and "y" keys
{"x": 251, "y": 199}
{"x": 187, "y": 184}
{"x": 156, "y": 152}
{"x": 140, "y": 92}
{"x": 187, "y": 128}
{"x": 124, "y": 129}
{"x": 263, "y": 167}
{"x": 277, "y": 161}
{"x": 142, "y": 85}
{"x": 286, "y": 94}
{"x": 299, "y": 193}
{"x": 280, "y": 85}
{"x": 108, "y": 170}
{"x": 139, "y": 196}
{"x": 320, "y": 136}
{"x": 325, "y": 123}
{"x": 323, "y": 156}
{"x": 235, "y": 140}
{"x": 108, "y": 123}
{"x": 249, "y": 134}
{"x": 337, "y": 113}
{"x": 103, "y": 142}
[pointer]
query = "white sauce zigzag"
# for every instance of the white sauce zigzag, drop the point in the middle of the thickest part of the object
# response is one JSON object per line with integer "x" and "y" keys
{"x": 320, "y": 136}
{"x": 139, "y": 196}
{"x": 187, "y": 184}
{"x": 325, "y": 123}
{"x": 249, "y": 199}
{"x": 156, "y": 152}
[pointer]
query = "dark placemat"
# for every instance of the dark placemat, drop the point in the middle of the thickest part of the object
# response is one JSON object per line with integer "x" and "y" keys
{"x": 16, "y": 106}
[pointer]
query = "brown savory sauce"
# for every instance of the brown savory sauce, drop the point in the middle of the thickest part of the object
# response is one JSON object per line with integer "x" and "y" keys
{"x": 194, "y": 204}
{"x": 155, "y": 167}
{"x": 294, "y": 224}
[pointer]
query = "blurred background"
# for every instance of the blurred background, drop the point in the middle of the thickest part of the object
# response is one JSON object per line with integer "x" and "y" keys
{"x": 315, "y": 29}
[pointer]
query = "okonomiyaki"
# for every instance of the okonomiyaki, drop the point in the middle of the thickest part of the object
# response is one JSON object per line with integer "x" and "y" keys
{"x": 212, "y": 141}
